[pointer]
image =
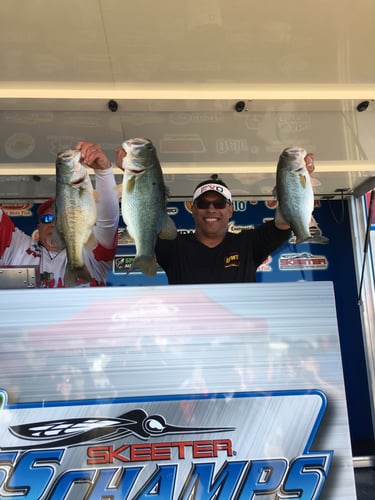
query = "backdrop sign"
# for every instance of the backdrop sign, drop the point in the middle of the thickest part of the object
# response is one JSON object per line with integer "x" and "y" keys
{"x": 216, "y": 391}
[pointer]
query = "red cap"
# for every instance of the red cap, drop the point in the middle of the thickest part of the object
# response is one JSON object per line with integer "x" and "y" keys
{"x": 45, "y": 206}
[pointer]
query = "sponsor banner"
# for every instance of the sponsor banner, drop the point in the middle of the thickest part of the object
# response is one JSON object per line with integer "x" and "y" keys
{"x": 102, "y": 382}
{"x": 221, "y": 446}
{"x": 303, "y": 260}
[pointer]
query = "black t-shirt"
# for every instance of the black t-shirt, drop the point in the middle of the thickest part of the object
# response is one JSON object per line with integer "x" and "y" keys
{"x": 186, "y": 260}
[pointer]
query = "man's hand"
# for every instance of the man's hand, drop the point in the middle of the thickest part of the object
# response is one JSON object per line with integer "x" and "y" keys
{"x": 93, "y": 155}
{"x": 309, "y": 160}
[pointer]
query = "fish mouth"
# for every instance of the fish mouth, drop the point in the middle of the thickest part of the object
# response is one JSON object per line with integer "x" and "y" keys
{"x": 133, "y": 145}
{"x": 294, "y": 151}
{"x": 70, "y": 159}
{"x": 135, "y": 171}
{"x": 75, "y": 182}
{"x": 69, "y": 154}
{"x": 136, "y": 151}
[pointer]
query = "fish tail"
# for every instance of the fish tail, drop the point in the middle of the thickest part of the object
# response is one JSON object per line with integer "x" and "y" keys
{"x": 76, "y": 276}
{"x": 302, "y": 240}
{"x": 315, "y": 238}
{"x": 319, "y": 238}
{"x": 146, "y": 264}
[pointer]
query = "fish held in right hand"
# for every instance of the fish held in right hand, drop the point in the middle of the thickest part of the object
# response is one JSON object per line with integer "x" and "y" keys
{"x": 295, "y": 194}
{"x": 144, "y": 202}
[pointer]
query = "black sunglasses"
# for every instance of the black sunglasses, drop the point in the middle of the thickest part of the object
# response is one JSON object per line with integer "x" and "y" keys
{"x": 47, "y": 218}
{"x": 203, "y": 203}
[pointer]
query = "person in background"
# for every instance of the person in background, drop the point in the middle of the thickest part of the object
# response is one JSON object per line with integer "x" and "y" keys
{"x": 17, "y": 248}
{"x": 212, "y": 254}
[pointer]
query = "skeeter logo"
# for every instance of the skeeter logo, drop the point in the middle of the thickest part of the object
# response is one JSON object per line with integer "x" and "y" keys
{"x": 247, "y": 444}
{"x": 83, "y": 430}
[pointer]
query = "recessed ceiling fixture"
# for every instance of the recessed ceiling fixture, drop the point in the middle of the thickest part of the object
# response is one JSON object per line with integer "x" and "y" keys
{"x": 362, "y": 106}
{"x": 240, "y": 106}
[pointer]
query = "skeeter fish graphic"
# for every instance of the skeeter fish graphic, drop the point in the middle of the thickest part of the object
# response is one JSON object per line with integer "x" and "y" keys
{"x": 77, "y": 431}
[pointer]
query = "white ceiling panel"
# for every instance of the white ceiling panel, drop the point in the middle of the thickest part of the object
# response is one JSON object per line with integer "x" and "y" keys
{"x": 176, "y": 70}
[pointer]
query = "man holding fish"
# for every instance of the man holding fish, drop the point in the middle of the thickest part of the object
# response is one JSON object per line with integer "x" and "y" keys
{"x": 76, "y": 237}
{"x": 211, "y": 254}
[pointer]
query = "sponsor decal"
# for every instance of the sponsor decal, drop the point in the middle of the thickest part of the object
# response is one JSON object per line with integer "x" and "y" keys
{"x": 19, "y": 145}
{"x": 172, "y": 210}
{"x": 122, "y": 263}
{"x": 18, "y": 209}
{"x": 218, "y": 446}
{"x": 265, "y": 267}
{"x": 231, "y": 145}
{"x": 304, "y": 260}
{"x": 236, "y": 229}
{"x": 186, "y": 231}
{"x": 197, "y": 117}
{"x": 182, "y": 143}
{"x": 232, "y": 260}
{"x": 188, "y": 206}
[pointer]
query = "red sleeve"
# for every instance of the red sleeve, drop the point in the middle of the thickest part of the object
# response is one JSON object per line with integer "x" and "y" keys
{"x": 102, "y": 253}
{"x": 6, "y": 231}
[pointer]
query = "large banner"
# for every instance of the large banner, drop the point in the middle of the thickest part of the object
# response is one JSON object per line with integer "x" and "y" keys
{"x": 218, "y": 391}
{"x": 225, "y": 446}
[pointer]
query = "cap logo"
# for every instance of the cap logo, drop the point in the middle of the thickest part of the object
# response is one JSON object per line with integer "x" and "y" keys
{"x": 212, "y": 187}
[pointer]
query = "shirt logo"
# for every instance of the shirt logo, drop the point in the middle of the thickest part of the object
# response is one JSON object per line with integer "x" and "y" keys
{"x": 232, "y": 260}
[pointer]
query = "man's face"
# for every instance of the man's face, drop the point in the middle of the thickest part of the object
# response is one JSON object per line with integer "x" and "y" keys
{"x": 46, "y": 230}
{"x": 209, "y": 220}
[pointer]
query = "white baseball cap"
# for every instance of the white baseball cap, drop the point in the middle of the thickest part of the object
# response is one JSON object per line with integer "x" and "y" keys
{"x": 212, "y": 185}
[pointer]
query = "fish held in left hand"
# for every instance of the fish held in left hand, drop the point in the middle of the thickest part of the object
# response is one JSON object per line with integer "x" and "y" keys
{"x": 295, "y": 195}
{"x": 144, "y": 202}
{"x": 76, "y": 213}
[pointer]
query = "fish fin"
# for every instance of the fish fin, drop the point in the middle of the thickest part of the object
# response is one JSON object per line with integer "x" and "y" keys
{"x": 74, "y": 277}
{"x": 118, "y": 190}
{"x": 130, "y": 184}
{"x": 168, "y": 230}
{"x": 91, "y": 242}
{"x": 302, "y": 179}
{"x": 147, "y": 265}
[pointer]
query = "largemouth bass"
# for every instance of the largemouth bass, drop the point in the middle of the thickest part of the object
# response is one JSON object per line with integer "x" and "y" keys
{"x": 295, "y": 194}
{"x": 76, "y": 212}
{"x": 144, "y": 202}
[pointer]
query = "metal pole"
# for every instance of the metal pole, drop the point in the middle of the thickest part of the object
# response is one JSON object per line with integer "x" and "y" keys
{"x": 367, "y": 241}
